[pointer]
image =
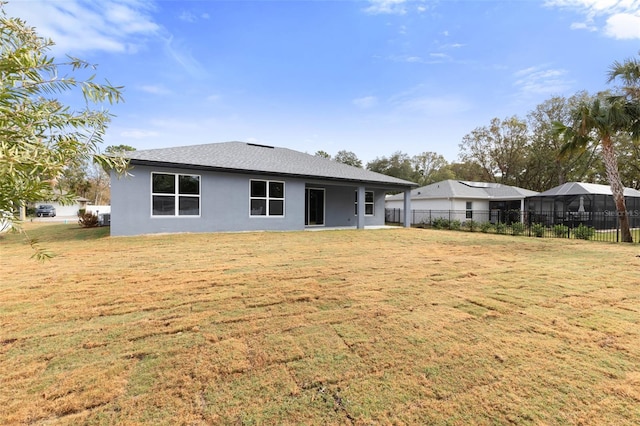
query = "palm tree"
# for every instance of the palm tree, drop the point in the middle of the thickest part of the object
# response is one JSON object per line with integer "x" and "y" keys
{"x": 601, "y": 118}
{"x": 629, "y": 72}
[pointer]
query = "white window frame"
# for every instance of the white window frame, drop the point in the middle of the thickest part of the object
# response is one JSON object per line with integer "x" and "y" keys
{"x": 267, "y": 198}
{"x": 468, "y": 210}
{"x": 371, "y": 203}
{"x": 177, "y": 195}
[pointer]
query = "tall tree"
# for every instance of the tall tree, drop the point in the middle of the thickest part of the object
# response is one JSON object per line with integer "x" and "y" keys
{"x": 545, "y": 168}
{"x": 323, "y": 154}
{"x": 628, "y": 149}
{"x": 602, "y": 119}
{"x": 500, "y": 149}
{"x": 470, "y": 171}
{"x": 398, "y": 165}
{"x": 347, "y": 157}
{"x": 39, "y": 135}
{"x": 430, "y": 167}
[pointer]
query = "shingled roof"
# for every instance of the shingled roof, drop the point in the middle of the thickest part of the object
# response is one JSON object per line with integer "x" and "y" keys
{"x": 242, "y": 157}
{"x": 582, "y": 188}
{"x": 469, "y": 190}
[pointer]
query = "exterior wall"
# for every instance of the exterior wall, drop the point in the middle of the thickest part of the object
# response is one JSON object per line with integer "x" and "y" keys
{"x": 340, "y": 206}
{"x": 225, "y": 204}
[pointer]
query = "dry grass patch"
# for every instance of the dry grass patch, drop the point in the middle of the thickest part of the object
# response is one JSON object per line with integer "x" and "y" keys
{"x": 401, "y": 326}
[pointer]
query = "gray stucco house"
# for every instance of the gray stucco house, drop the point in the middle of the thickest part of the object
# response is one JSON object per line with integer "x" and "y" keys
{"x": 238, "y": 186}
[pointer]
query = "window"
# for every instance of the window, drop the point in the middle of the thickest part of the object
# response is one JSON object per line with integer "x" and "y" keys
{"x": 267, "y": 198}
{"x": 175, "y": 194}
{"x": 469, "y": 213}
{"x": 368, "y": 203}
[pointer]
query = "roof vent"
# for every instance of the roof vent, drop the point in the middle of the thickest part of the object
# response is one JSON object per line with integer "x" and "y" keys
{"x": 261, "y": 146}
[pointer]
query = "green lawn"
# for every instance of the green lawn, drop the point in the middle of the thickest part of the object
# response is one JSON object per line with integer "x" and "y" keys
{"x": 392, "y": 326}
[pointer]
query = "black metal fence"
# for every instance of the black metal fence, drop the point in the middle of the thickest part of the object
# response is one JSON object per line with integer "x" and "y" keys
{"x": 597, "y": 226}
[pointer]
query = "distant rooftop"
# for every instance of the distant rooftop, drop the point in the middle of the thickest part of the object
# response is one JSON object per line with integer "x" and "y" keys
{"x": 581, "y": 188}
{"x": 466, "y": 189}
{"x": 242, "y": 157}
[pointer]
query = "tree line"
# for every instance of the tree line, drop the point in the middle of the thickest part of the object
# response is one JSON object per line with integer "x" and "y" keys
{"x": 520, "y": 151}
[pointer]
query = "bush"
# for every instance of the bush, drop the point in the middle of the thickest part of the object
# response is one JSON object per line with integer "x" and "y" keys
{"x": 584, "y": 232}
{"x": 485, "y": 227}
{"x": 440, "y": 223}
{"x": 88, "y": 220}
{"x": 501, "y": 228}
{"x": 455, "y": 225}
{"x": 471, "y": 225}
{"x": 538, "y": 229}
{"x": 560, "y": 231}
{"x": 517, "y": 228}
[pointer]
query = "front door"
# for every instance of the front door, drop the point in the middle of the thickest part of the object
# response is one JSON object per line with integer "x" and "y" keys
{"x": 314, "y": 207}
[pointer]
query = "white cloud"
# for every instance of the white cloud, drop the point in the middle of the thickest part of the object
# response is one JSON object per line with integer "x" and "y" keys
{"x": 180, "y": 53}
{"x": 379, "y": 7}
{"x": 539, "y": 80}
{"x": 623, "y": 26}
{"x": 80, "y": 26}
{"x": 191, "y": 17}
{"x": 616, "y": 18}
{"x": 365, "y": 102}
{"x": 434, "y": 58}
{"x": 434, "y": 105}
{"x": 583, "y": 26}
{"x": 138, "y": 134}
{"x": 155, "y": 90}
{"x": 419, "y": 100}
{"x": 187, "y": 17}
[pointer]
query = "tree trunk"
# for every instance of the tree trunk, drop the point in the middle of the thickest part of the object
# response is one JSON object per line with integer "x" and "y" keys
{"x": 611, "y": 166}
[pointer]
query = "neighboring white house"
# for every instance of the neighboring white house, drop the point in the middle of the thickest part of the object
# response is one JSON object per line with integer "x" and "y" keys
{"x": 463, "y": 200}
{"x": 66, "y": 210}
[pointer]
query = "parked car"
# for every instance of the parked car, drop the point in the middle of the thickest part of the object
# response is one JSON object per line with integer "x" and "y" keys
{"x": 46, "y": 210}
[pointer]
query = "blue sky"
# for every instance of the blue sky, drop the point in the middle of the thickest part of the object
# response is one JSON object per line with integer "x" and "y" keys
{"x": 372, "y": 77}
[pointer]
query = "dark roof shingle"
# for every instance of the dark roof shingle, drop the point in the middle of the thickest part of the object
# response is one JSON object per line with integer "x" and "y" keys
{"x": 247, "y": 157}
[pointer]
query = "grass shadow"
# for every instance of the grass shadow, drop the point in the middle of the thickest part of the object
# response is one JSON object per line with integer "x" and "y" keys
{"x": 58, "y": 232}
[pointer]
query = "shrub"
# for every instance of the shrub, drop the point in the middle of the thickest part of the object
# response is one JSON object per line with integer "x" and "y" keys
{"x": 538, "y": 229}
{"x": 455, "y": 225}
{"x": 471, "y": 225}
{"x": 485, "y": 227}
{"x": 517, "y": 228}
{"x": 560, "y": 231}
{"x": 88, "y": 220}
{"x": 501, "y": 228}
{"x": 584, "y": 232}
{"x": 440, "y": 223}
